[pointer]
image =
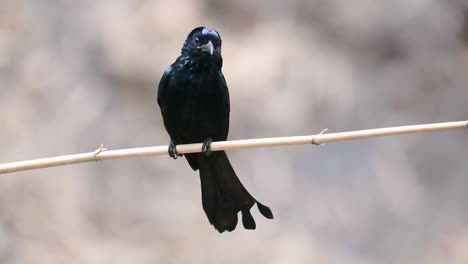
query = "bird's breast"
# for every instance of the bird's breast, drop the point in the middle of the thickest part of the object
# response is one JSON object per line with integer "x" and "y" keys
{"x": 196, "y": 94}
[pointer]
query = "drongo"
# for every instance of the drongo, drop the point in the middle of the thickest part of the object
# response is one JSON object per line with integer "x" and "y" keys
{"x": 194, "y": 101}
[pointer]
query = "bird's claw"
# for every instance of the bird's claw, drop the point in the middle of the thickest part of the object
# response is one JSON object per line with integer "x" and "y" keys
{"x": 206, "y": 147}
{"x": 173, "y": 150}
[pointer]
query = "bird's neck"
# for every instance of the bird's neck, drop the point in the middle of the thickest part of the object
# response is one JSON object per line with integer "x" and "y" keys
{"x": 200, "y": 64}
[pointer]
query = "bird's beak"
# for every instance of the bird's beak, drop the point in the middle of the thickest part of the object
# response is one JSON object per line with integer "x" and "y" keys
{"x": 208, "y": 47}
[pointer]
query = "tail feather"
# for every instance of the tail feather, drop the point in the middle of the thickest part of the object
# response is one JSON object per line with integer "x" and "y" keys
{"x": 210, "y": 195}
{"x": 223, "y": 195}
{"x": 265, "y": 210}
{"x": 247, "y": 220}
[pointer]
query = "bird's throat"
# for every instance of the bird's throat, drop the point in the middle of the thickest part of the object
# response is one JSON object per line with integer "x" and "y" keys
{"x": 201, "y": 63}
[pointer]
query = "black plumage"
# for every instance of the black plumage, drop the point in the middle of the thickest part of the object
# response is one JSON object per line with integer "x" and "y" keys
{"x": 194, "y": 101}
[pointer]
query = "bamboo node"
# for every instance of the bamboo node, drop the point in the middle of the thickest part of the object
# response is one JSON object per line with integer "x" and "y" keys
{"x": 314, "y": 142}
{"x": 99, "y": 150}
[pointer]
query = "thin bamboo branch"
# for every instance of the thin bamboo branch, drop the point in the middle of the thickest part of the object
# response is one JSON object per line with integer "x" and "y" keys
{"x": 104, "y": 154}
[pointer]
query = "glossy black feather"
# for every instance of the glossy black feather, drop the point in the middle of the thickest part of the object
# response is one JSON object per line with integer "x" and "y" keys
{"x": 194, "y": 101}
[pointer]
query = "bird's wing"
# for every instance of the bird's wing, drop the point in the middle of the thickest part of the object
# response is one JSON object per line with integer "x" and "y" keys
{"x": 227, "y": 107}
{"x": 225, "y": 92}
{"x": 162, "y": 88}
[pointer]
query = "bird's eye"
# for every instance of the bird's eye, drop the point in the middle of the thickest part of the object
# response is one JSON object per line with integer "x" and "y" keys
{"x": 197, "y": 40}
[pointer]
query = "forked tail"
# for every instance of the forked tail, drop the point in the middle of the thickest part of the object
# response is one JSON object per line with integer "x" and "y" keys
{"x": 223, "y": 195}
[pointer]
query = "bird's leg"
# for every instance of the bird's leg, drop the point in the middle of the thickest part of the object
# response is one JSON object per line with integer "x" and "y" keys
{"x": 206, "y": 148}
{"x": 173, "y": 150}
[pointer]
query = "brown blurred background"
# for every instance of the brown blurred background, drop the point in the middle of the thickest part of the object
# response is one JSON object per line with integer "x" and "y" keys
{"x": 75, "y": 74}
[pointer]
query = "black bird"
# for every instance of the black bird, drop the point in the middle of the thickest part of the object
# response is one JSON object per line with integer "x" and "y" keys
{"x": 194, "y": 101}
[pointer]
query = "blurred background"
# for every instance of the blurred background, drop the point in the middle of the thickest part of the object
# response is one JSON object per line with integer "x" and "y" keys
{"x": 77, "y": 74}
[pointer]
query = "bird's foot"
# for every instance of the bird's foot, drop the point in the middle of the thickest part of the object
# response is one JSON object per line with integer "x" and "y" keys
{"x": 206, "y": 148}
{"x": 173, "y": 150}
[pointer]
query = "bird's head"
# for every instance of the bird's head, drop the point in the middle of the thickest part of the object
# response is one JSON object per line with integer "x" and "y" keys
{"x": 202, "y": 42}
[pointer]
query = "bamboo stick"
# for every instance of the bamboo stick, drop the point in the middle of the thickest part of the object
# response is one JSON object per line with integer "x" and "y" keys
{"x": 318, "y": 139}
